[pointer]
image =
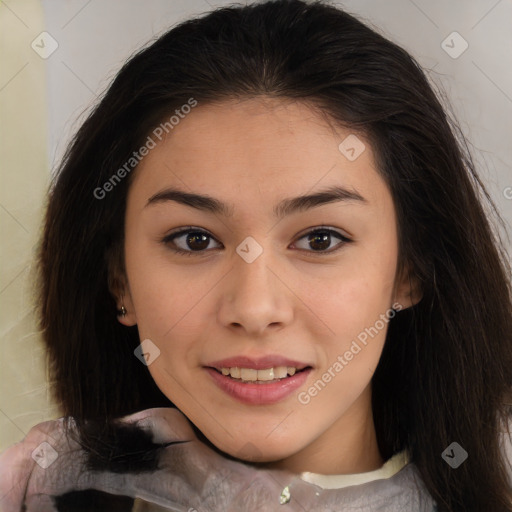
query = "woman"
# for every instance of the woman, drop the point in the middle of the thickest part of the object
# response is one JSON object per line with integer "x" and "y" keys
{"x": 267, "y": 250}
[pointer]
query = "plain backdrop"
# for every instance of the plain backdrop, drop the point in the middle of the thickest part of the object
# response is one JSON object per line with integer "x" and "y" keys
{"x": 43, "y": 101}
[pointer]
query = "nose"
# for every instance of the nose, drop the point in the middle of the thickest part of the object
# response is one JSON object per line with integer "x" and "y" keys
{"x": 256, "y": 297}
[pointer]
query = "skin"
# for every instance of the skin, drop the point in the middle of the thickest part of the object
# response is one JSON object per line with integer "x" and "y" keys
{"x": 292, "y": 300}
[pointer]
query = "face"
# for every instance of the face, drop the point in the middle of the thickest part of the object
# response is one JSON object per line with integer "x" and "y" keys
{"x": 264, "y": 282}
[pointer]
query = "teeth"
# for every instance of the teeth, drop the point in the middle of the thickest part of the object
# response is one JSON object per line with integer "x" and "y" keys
{"x": 248, "y": 374}
{"x": 251, "y": 375}
{"x": 280, "y": 372}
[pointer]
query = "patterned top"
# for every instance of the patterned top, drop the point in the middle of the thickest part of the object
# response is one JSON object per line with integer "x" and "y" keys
{"x": 163, "y": 466}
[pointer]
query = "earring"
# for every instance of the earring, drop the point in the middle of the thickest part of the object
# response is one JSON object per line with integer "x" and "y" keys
{"x": 122, "y": 311}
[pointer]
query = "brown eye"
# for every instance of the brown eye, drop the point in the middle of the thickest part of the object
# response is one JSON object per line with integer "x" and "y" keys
{"x": 189, "y": 241}
{"x": 196, "y": 241}
{"x": 319, "y": 240}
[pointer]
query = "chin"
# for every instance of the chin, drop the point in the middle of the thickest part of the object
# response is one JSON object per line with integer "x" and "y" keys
{"x": 261, "y": 452}
{"x": 250, "y": 449}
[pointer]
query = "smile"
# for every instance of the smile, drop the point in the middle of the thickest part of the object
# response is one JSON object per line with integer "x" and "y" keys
{"x": 253, "y": 375}
{"x": 253, "y": 390}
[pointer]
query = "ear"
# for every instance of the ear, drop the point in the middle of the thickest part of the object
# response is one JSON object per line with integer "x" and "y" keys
{"x": 125, "y": 299}
{"x": 120, "y": 290}
{"x": 408, "y": 291}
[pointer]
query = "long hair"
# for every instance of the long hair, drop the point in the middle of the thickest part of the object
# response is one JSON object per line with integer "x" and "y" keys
{"x": 445, "y": 374}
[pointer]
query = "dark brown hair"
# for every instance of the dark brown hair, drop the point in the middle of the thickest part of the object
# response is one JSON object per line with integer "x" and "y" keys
{"x": 446, "y": 370}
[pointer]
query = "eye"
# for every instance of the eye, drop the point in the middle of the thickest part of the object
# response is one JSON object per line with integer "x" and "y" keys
{"x": 320, "y": 239}
{"x": 193, "y": 241}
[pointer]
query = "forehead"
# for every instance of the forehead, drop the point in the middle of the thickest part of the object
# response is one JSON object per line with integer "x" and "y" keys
{"x": 267, "y": 146}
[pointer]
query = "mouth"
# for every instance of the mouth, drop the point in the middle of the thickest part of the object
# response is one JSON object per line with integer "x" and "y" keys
{"x": 255, "y": 376}
{"x": 259, "y": 387}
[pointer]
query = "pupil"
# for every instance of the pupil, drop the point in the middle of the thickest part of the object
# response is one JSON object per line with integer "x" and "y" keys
{"x": 192, "y": 237}
{"x": 323, "y": 238}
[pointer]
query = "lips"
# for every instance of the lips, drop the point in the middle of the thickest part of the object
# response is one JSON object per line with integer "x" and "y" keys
{"x": 259, "y": 393}
{"x": 258, "y": 381}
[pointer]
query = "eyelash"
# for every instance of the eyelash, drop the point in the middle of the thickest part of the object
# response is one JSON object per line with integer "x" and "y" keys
{"x": 190, "y": 229}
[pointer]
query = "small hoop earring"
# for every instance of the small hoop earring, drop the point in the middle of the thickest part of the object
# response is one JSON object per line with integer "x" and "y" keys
{"x": 122, "y": 311}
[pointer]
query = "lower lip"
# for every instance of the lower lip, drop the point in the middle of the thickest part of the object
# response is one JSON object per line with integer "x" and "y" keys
{"x": 259, "y": 394}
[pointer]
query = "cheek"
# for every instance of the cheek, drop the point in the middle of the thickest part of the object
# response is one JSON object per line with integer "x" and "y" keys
{"x": 173, "y": 312}
{"x": 356, "y": 294}
{"x": 358, "y": 314}
{"x": 162, "y": 292}
{"x": 351, "y": 354}
{"x": 356, "y": 306}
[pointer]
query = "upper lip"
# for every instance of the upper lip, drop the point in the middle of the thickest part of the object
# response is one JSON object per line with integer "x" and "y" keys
{"x": 260, "y": 363}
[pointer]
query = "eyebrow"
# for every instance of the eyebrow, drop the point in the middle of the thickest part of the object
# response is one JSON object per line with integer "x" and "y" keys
{"x": 282, "y": 209}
